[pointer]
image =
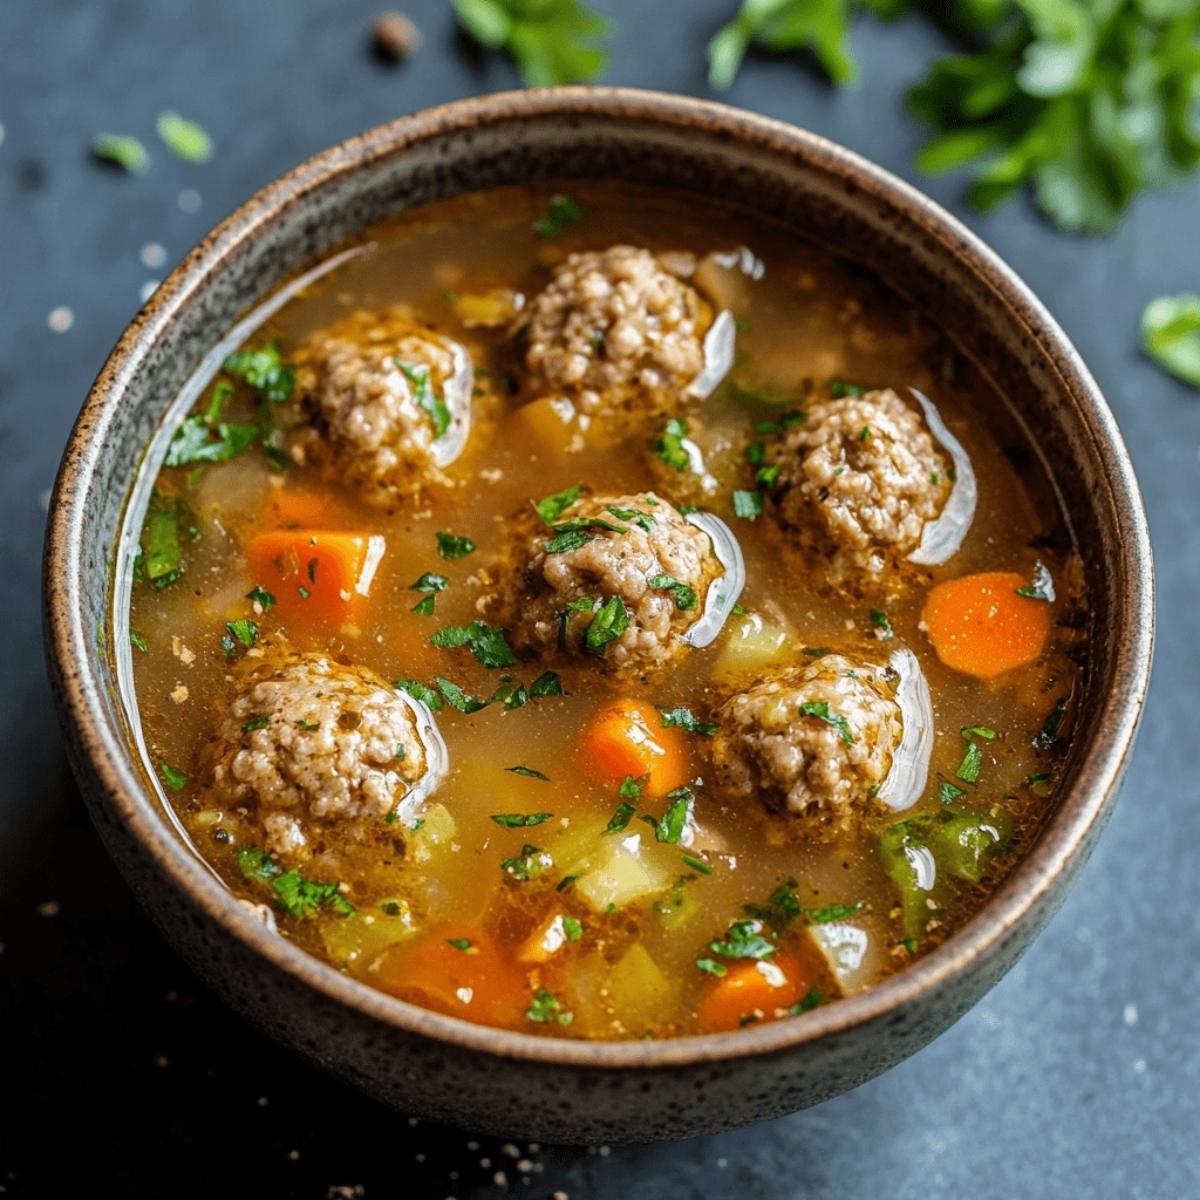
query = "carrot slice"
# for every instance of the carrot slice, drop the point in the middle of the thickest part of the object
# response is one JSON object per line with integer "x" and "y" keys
{"x": 316, "y": 576}
{"x": 629, "y": 738}
{"x": 980, "y": 626}
{"x": 751, "y": 991}
{"x": 287, "y": 509}
{"x": 456, "y": 969}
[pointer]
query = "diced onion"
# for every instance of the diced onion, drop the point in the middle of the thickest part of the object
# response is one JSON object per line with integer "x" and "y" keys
{"x": 456, "y": 394}
{"x": 910, "y": 760}
{"x": 942, "y": 537}
{"x": 437, "y": 757}
{"x": 719, "y": 344}
{"x": 723, "y": 593}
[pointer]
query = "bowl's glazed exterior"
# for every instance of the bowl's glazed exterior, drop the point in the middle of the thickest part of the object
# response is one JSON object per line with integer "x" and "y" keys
{"x": 511, "y": 1083}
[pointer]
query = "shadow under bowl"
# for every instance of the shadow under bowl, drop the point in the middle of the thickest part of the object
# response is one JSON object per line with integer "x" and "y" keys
{"x": 510, "y": 1083}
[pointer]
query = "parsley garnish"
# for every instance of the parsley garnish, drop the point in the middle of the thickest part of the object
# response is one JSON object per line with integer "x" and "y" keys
{"x": 138, "y": 642}
{"x": 175, "y": 780}
{"x": 264, "y": 370}
{"x": 185, "y": 139}
{"x": 162, "y": 553}
{"x": 683, "y": 718}
{"x": 840, "y": 389}
{"x": 747, "y": 504}
{"x": 545, "y": 1006}
{"x": 550, "y": 508}
{"x": 697, "y": 864}
{"x": 529, "y": 864}
{"x": 546, "y": 684}
{"x": 122, "y": 150}
{"x": 744, "y": 939}
{"x": 1041, "y": 586}
{"x": 880, "y": 621}
{"x": 529, "y": 773}
{"x": 669, "y": 446}
{"x": 261, "y": 597}
{"x": 573, "y": 928}
{"x": 685, "y": 597}
{"x": 489, "y": 646}
{"x": 822, "y": 712}
{"x": 463, "y": 944}
{"x": 254, "y": 723}
{"x": 564, "y": 543}
{"x": 297, "y": 896}
{"x": 711, "y": 966}
{"x": 563, "y": 210}
{"x": 521, "y": 820}
{"x": 420, "y": 691}
{"x": 810, "y": 1000}
{"x": 972, "y": 761}
{"x": 671, "y": 824}
{"x": 197, "y": 441}
{"x": 620, "y": 818}
{"x": 427, "y": 399}
{"x": 451, "y": 545}
{"x": 1171, "y": 335}
{"x": 832, "y": 912}
{"x": 1047, "y": 737}
{"x": 630, "y": 789}
{"x": 949, "y": 792}
{"x": 609, "y": 623}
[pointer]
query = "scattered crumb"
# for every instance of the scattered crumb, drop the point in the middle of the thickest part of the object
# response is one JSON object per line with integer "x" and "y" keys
{"x": 395, "y": 36}
{"x": 49, "y": 908}
{"x": 60, "y": 319}
{"x": 181, "y": 652}
{"x": 180, "y": 694}
{"x": 491, "y": 474}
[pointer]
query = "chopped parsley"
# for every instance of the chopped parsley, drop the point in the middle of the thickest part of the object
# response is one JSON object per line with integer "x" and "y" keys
{"x": 240, "y": 632}
{"x": 672, "y": 823}
{"x": 257, "y": 722}
{"x": 747, "y": 504}
{"x": 521, "y": 820}
{"x": 429, "y": 582}
{"x": 175, "y": 780}
{"x": 609, "y": 623}
{"x": 261, "y": 597}
{"x": 529, "y": 864}
{"x": 458, "y": 699}
{"x": 546, "y": 684}
{"x": 1041, "y": 586}
{"x": 816, "y": 651}
{"x": 529, "y": 773}
{"x": 452, "y": 545}
{"x": 621, "y": 817}
{"x": 810, "y": 1000}
{"x": 711, "y": 967}
{"x": 427, "y": 399}
{"x": 198, "y": 441}
{"x": 880, "y": 621}
{"x": 972, "y": 761}
{"x": 744, "y": 939}
{"x": 831, "y": 913}
{"x": 669, "y": 445}
{"x": 488, "y": 646}
{"x": 308, "y": 726}
{"x": 550, "y": 508}
{"x": 634, "y": 516}
{"x": 696, "y": 864}
{"x": 297, "y": 896}
{"x": 545, "y": 1007}
{"x": 122, "y": 150}
{"x": 568, "y": 540}
{"x": 822, "y": 712}
{"x": 138, "y": 642}
{"x": 1046, "y": 738}
{"x": 573, "y": 928}
{"x": 264, "y": 370}
{"x": 683, "y": 718}
{"x": 426, "y": 606}
{"x": 840, "y": 389}
{"x": 949, "y": 792}
{"x": 162, "y": 552}
{"x": 562, "y": 211}
{"x": 185, "y": 139}
{"x": 685, "y": 597}
{"x": 420, "y": 691}
{"x": 462, "y": 944}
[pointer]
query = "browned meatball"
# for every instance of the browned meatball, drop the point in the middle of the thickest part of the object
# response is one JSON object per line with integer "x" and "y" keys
{"x": 858, "y": 481}
{"x": 625, "y": 579}
{"x": 618, "y": 333}
{"x": 386, "y": 403}
{"x": 817, "y": 740}
{"x": 310, "y": 748}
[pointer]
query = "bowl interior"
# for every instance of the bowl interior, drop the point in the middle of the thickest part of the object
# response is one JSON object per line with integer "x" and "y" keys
{"x": 823, "y": 192}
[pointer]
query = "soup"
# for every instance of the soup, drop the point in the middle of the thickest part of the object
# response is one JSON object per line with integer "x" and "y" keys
{"x": 597, "y": 612}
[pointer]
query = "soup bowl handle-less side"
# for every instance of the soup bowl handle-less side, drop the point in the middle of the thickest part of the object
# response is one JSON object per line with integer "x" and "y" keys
{"x": 514, "y": 1083}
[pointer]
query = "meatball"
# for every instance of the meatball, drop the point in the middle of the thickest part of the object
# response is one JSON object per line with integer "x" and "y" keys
{"x": 617, "y": 332}
{"x": 311, "y": 749}
{"x": 625, "y": 579}
{"x": 818, "y": 740}
{"x": 858, "y": 480}
{"x": 385, "y": 403}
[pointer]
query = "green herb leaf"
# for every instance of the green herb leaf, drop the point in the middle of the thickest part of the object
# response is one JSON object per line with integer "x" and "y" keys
{"x": 562, "y": 211}
{"x": 1171, "y": 335}
{"x": 547, "y": 1007}
{"x": 620, "y": 819}
{"x": 551, "y": 41}
{"x": 122, "y": 150}
{"x": 840, "y": 389}
{"x": 425, "y": 606}
{"x": 831, "y": 913}
{"x": 744, "y": 939}
{"x": 696, "y": 864}
{"x": 822, "y": 712}
{"x": 261, "y": 597}
{"x": 420, "y": 691}
{"x": 810, "y": 1000}
{"x": 564, "y": 543}
{"x": 256, "y": 723}
{"x": 685, "y": 597}
{"x": 426, "y": 398}
{"x": 711, "y": 967}
{"x": 138, "y": 642}
{"x": 630, "y": 789}
{"x": 300, "y": 897}
{"x": 175, "y": 780}
{"x": 550, "y": 508}
{"x": 162, "y": 552}
{"x": 244, "y": 631}
{"x": 1041, "y": 587}
{"x": 683, "y": 718}
{"x": 949, "y": 792}
{"x": 264, "y": 370}
{"x": 521, "y": 820}
{"x": 747, "y": 504}
{"x": 184, "y": 138}
{"x": 488, "y": 646}
{"x": 1047, "y": 737}
{"x": 880, "y": 621}
{"x": 458, "y": 699}
{"x": 609, "y": 623}
{"x": 573, "y": 928}
{"x": 463, "y": 944}
{"x": 672, "y": 823}
{"x": 546, "y": 684}
{"x": 972, "y": 762}
{"x": 451, "y": 545}
{"x": 529, "y": 864}
{"x": 669, "y": 445}
{"x": 529, "y": 773}
{"x": 255, "y": 864}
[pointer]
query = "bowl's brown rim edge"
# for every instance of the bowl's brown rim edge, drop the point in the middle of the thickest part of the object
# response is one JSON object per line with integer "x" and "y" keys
{"x": 1029, "y": 888}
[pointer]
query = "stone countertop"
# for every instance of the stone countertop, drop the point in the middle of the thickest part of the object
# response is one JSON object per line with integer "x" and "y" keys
{"x": 1076, "y": 1077}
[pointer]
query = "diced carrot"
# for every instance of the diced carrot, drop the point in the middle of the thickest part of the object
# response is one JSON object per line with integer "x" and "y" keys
{"x": 287, "y": 509}
{"x": 980, "y": 625}
{"x": 629, "y": 738}
{"x": 316, "y": 576}
{"x": 751, "y": 991}
{"x": 456, "y": 969}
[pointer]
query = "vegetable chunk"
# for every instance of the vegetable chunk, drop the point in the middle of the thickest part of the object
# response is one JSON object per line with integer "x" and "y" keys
{"x": 317, "y": 576}
{"x": 982, "y": 625}
{"x": 628, "y": 738}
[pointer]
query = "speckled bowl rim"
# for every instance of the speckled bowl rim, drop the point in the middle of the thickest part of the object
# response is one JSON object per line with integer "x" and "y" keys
{"x": 1031, "y": 883}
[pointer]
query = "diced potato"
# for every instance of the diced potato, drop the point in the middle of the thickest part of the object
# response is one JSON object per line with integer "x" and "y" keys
{"x": 853, "y": 955}
{"x": 488, "y": 309}
{"x": 435, "y": 834}
{"x": 640, "y": 994}
{"x": 551, "y": 426}
{"x": 579, "y": 846}
{"x": 677, "y": 907}
{"x": 361, "y": 938}
{"x": 621, "y": 875}
{"x": 751, "y": 644}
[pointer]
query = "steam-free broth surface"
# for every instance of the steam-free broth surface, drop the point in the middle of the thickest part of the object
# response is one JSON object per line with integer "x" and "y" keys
{"x": 549, "y": 871}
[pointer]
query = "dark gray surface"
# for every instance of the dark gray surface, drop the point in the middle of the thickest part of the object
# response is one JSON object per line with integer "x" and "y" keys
{"x": 1077, "y": 1076}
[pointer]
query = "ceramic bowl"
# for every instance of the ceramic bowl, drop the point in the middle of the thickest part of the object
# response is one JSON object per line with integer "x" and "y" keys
{"x": 512, "y": 1083}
